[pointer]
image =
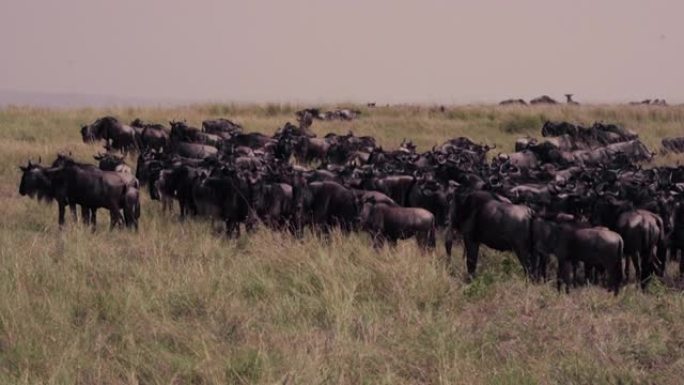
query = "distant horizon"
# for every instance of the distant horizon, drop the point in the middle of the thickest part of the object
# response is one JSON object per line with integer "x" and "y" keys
{"x": 84, "y": 100}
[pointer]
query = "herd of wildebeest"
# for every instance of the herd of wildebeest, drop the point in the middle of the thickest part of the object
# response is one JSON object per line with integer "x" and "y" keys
{"x": 577, "y": 193}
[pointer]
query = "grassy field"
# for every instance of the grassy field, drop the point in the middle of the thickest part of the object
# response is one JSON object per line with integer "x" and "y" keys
{"x": 178, "y": 304}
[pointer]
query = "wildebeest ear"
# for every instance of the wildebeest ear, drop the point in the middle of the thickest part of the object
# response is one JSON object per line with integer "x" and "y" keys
{"x": 24, "y": 169}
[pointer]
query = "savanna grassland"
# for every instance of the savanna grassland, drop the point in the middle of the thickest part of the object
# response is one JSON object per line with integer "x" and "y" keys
{"x": 179, "y": 304}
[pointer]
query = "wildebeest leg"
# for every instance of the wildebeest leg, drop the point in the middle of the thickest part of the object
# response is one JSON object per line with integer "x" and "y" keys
{"x": 543, "y": 261}
{"x": 378, "y": 241}
{"x": 167, "y": 204}
{"x": 85, "y": 215}
{"x": 575, "y": 276}
{"x": 129, "y": 215}
{"x": 93, "y": 218}
{"x": 61, "y": 212}
{"x": 115, "y": 217}
{"x": 614, "y": 278}
{"x": 72, "y": 208}
{"x": 524, "y": 259}
{"x": 566, "y": 275}
{"x": 448, "y": 242}
{"x": 646, "y": 267}
{"x": 431, "y": 239}
{"x": 636, "y": 257}
{"x": 425, "y": 240}
{"x": 626, "y": 273}
{"x": 472, "y": 249}
{"x": 661, "y": 260}
{"x": 183, "y": 209}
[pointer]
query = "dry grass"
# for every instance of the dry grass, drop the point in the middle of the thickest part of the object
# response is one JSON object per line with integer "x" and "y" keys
{"x": 177, "y": 304}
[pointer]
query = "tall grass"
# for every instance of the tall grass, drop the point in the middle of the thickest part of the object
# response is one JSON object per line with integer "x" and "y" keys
{"x": 178, "y": 304}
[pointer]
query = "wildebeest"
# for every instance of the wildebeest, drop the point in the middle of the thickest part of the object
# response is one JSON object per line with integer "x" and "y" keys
{"x": 111, "y": 162}
{"x": 570, "y": 243}
{"x": 221, "y": 126}
{"x": 568, "y": 100}
{"x": 151, "y": 136}
{"x": 509, "y": 102}
{"x": 641, "y": 230}
{"x": 70, "y": 183}
{"x": 544, "y": 99}
{"x": 390, "y": 223}
{"x": 675, "y": 145}
{"x": 116, "y": 135}
{"x": 192, "y": 150}
{"x": 327, "y": 204}
{"x": 485, "y": 218}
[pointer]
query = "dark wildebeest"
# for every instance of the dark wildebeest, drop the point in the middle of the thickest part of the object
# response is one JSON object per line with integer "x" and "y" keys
{"x": 151, "y": 136}
{"x": 73, "y": 184}
{"x": 221, "y": 126}
{"x": 117, "y": 135}
{"x": 486, "y": 218}
{"x": 111, "y": 162}
{"x": 228, "y": 195}
{"x": 192, "y": 150}
{"x": 675, "y": 145}
{"x": 130, "y": 201}
{"x": 327, "y": 204}
{"x": 391, "y": 223}
{"x": 509, "y": 102}
{"x": 642, "y": 232}
{"x": 544, "y": 99}
{"x": 572, "y": 243}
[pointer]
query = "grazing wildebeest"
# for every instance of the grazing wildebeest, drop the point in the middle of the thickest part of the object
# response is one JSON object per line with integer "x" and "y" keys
{"x": 572, "y": 243}
{"x": 391, "y": 223}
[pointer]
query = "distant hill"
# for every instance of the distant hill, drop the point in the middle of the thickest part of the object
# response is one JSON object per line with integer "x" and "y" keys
{"x": 73, "y": 100}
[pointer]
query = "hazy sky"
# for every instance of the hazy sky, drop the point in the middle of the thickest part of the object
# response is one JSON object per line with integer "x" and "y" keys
{"x": 325, "y": 50}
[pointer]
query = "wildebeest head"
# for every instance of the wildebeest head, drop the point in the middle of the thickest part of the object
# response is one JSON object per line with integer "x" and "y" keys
{"x": 87, "y": 134}
{"x": 111, "y": 162}
{"x": 98, "y": 129}
{"x": 366, "y": 206}
{"x": 34, "y": 182}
